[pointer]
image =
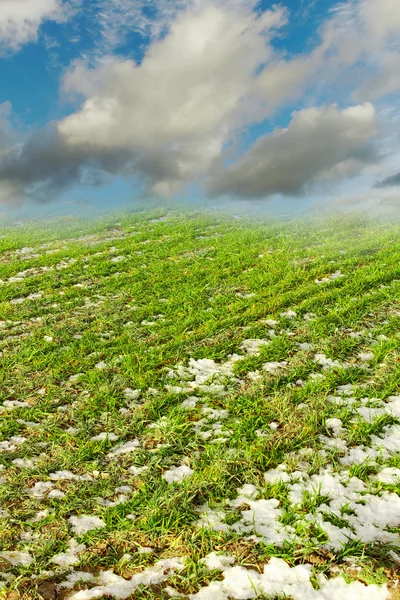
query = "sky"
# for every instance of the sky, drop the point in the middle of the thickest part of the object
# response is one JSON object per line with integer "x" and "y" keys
{"x": 286, "y": 106}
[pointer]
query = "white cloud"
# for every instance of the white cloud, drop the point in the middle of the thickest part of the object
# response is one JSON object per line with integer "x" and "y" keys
{"x": 214, "y": 53}
{"x": 385, "y": 80}
{"x": 210, "y": 70}
{"x": 382, "y": 18}
{"x": 285, "y": 79}
{"x": 167, "y": 118}
{"x": 363, "y": 36}
{"x": 20, "y": 20}
{"x": 175, "y": 122}
{"x": 320, "y": 145}
{"x": 358, "y": 26}
{"x": 116, "y": 19}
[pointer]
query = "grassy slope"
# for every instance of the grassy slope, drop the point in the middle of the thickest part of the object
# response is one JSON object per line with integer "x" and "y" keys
{"x": 204, "y": 266}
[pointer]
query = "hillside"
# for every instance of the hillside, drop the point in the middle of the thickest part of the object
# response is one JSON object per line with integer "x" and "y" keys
{"x": 200, "y": 406}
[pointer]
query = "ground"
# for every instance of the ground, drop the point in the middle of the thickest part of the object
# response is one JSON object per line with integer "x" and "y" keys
{"x": 202, "y": 406}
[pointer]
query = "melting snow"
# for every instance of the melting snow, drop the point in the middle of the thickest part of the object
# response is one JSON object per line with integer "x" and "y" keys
{"x": 130, "y": 446}
{"x": 110, "y": 584}
{"x": 17, "y": 558}
{"x": 101, "y": 437}
{"x": 40, "y": 488}
{"x": 177, "y": 474}
{"x": 217, "y": 561}
{"x": 74, "y": 578}
{"x": 279, "y": 579}
{"x": 85, "y": 523}
{"x": 71, "y": 556}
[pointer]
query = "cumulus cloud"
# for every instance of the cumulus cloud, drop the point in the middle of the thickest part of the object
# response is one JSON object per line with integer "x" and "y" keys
{"x": 45, "y": 165}
{"x": 20, "y": 20}
{"x": 210, "y": 70}
{"x": 165, "y": 119}
{"x": 320, "y": 145}
{"x": 214, "y": 52}
{"x": 150, "y": 18}
{"x": 115, "y": 19}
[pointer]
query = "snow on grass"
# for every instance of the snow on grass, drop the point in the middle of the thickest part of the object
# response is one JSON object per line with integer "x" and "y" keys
{"x": 125, "y": 448}
{"x": 110, "y": 584}
{"x": 74, "y": 578}
{"x": 68, "y": 476}
{"x": 177, "y": 474}
{"x": 217, "y": 561}
{"x": 17, "y": 558}
{"x": 101, "y": 437}
{"x": 39, "y": 489}
{"x": 84, "y": 523}
{"x": 71, "y": 556}
{"x": 280, "y": 580}
{"x": 281, "y": 443}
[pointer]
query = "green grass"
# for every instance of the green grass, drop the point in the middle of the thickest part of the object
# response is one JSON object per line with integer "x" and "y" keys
{"x": 206, "y": 282}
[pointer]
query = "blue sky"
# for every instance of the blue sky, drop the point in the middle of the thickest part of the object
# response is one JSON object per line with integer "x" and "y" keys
{"x": 290, "y": 104}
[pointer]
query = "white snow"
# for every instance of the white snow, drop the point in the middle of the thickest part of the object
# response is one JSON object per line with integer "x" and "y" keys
{"x": 71, "y": 556}
{"x": 84, "y": 523}
{"x": 56, "y": 494}
{"x": 327, "y": 363}
{"x": 270, "y": 322}
{"x": 40, "y": 488}
{"x": 331, "y": 277}
{"x": 217, "y": 561}
{"x": 68, "y": 476}
{"x": 366, "y": 356}
{"x": 190, "y": 402}
{"x": 280, "y": 580}
{"x": 172, "y": 592}
{"x": 389, "y": 475}
{"x": 74, "y": 578}
{"x": 25, "y": 463}
{"x": 42, "y": 514}
{"x": 177, "y": 474}
{"x": 17, "y": 558}
{"x": 11, "y": 444}
{"x": 145, "y": 550}
{"x": 271, "y": 367}
{"x": 130, "y": 446}
{"x": 101, "y": 437}
{"x": 110, "y": 584}
{"x": 276, "y": 475}
{"x": 131, "y": 394}
{"x": 211, "y": 519}
{"x": 253, "y": 346}
{"x": 136, "y": 471}
{"x": 101, "y": 365}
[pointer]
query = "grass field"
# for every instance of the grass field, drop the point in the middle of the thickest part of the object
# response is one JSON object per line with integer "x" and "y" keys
{"x": 200, "y": 406}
